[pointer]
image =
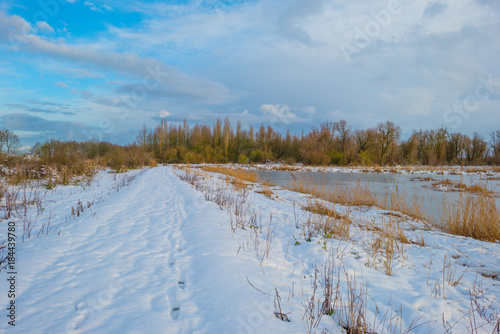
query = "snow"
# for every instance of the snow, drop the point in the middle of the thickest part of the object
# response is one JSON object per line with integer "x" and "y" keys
{"x": 152, "y": 255}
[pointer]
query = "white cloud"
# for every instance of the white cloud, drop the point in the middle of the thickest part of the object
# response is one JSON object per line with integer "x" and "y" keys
{"x": 44, "y": 26}
{"x": 163, "y": 113}
{"x": 282, "y": 113}
{"x": 13, "y": 27}
{"x": 279, "y": 113}
{"x": 100, "y": 8}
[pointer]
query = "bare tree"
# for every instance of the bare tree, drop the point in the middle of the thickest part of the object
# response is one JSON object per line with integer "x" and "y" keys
{"x": 388, "y": 136}
{"x": 364, "y": 139}
{"x": 2, "y": 136}
{"x": 408, "y": 149}
{"x": 456, "y": 147}
{"x": 343, "y": 130}
{"x": 475, "y": 148}
{"x": 495, "y": 145}
{"x": 9, "y": 140}
{"x": 142, "y": 137}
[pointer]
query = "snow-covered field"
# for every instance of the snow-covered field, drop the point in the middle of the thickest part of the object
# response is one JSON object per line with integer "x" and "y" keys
{"x": 157, "y": 254}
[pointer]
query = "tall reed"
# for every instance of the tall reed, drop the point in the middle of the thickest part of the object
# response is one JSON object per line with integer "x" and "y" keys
{"x": 474, "y": 216}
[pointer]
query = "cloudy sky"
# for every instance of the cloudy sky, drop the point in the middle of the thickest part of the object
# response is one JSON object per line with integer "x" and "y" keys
{"x": 78, "y": 69}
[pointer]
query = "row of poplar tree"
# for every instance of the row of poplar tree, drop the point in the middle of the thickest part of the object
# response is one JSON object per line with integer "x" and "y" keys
{"x": 332, "y": 143}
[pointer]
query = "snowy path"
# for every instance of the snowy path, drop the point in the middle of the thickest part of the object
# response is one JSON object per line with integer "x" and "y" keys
{"x": 140, "y": 265}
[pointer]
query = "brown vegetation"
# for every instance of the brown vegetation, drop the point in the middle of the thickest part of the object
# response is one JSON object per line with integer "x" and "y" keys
{"x": 319, "y": 208}
{"x": 474, "y": 216}
{"x": 266, "y": 192}
{"x": 460, "y": 186}
{"x": 59, "y": 162}
{"x": 333, "y": 143}
{"x": 243, "y": 174}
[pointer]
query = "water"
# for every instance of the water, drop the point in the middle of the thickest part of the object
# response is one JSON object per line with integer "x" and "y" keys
{"x": 405, "y": 187}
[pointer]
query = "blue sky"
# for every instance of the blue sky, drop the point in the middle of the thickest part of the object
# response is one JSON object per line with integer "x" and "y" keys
{"x": 81, "y": 69}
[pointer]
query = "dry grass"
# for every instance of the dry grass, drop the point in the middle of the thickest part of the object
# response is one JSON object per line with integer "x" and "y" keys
{"x": 287, "y": 168}
{"x": 386, "y": 244}
{"x": 344, "y": 296}
{"x": 400, "y": 202}
{"x": 422, "y": 179}
{"x": 361, "y": 194}
{"x": 319, "y": 208}
{"x": 243, "y": 174}
{"x": 237, "y": 183}
{"x": 480, "y": 189}
{"x": 476, "y": 214}
{"x": 473, "y": 216}
{"x": 266, "y": 192}
{"x": 329, "y": 224}
{"x": 358, "y": 195}
{"x": 446, "y": 183}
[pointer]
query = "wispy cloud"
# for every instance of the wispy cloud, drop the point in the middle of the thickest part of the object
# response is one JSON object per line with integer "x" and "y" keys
{"x": 44, "y": 129}
{"x": 81, "y": 73}
{"x": 61, "y": 84}
{"x": 44, "y": 26}
{"x": 167, "y": 79}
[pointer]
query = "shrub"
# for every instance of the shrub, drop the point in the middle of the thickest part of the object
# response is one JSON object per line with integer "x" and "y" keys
{"x": 243, "y": 159}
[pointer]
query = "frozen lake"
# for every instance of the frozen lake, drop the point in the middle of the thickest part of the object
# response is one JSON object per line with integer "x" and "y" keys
{"x": 407, "y": 187}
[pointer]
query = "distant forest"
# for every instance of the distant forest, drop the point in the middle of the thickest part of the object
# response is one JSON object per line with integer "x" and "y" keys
{"x": 333, "y": 143}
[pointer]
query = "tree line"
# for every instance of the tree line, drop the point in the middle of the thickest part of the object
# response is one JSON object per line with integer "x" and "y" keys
{"x": 62, "y": 161}
{"x": 335, "y": 143}
{"x": 332, "y": 143}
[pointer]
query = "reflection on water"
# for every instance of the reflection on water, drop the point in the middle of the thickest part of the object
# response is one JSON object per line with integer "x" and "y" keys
{"x": 409, "y": 188}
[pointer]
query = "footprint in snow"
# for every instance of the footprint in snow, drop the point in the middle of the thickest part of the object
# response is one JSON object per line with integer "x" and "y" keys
{"x": 175, "y": 313}
{"x": 179, "y": 246}
{"x": 174, "y": 304}
{"x": 171, "y": 260}
{"x": 181, "y": 281}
